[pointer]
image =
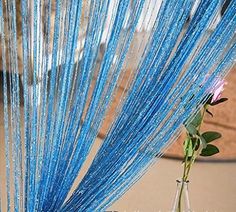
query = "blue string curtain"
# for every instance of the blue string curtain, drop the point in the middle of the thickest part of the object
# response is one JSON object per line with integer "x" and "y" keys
{"x": 63, "y": 63}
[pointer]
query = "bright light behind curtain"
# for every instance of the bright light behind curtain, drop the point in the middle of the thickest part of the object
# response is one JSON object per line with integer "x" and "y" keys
{"x": 63, "y": 63}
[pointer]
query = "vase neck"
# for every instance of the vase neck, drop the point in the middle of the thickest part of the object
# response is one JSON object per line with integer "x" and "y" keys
{"x": 181, "y": 197}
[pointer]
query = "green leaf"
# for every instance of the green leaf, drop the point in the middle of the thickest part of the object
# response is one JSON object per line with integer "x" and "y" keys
{"x": 203, "y": 141}
{"x": 210, "y": 136}
{"x": 197, "y": 119}
{"x": 188, "y": 147}
{"x": 209, "y": 150}
{"x": 219, "y": 101}
{"x": 191, "y": 129}
{"x": 185, "y": 146}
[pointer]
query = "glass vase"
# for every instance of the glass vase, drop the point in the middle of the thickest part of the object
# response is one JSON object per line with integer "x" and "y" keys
{"x": 181, "y": 201}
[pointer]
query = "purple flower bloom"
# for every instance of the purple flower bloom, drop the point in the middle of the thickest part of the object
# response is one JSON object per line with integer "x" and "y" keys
{"x": 217, "y": 90}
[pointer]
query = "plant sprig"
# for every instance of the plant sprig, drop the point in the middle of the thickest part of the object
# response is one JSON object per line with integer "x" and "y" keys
{"x": 197, "y": 142}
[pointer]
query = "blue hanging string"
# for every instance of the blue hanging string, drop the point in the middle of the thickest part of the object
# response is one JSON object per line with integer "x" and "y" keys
{"x": 6, "y": 117}
{"x": 64, "y": 107}
{"x": 108, "y": 168}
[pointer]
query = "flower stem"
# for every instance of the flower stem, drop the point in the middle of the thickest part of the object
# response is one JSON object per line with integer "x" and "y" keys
{"x": 188, "y": 162}
{"x": 184, "y": 178}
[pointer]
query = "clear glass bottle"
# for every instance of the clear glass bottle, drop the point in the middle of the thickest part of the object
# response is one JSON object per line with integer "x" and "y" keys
{"x": 183, "y": 204}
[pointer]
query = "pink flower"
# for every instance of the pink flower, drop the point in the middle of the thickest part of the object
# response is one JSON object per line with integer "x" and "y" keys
{"x": 217, "y": 90}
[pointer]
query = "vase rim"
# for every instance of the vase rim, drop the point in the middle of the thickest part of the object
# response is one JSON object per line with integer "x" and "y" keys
{"x": 181, "y": 180}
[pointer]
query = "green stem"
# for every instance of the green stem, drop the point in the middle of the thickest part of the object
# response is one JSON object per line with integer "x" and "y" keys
{"x": 184, "y": 177}
{"x": 188, "y": 164}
